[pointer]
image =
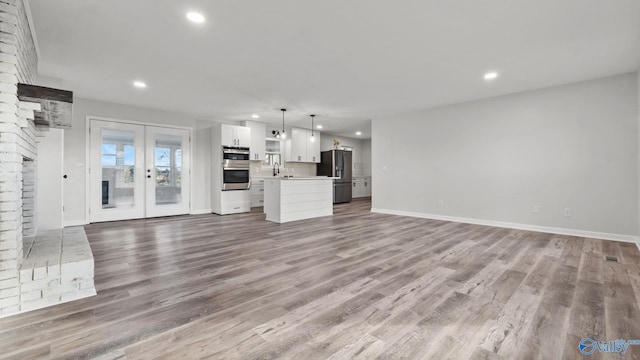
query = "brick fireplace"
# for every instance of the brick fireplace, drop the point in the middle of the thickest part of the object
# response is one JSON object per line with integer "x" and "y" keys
{"x": 18, "y": 63}
{"x": 29, "y": 221}
{"x": 36, "y": 269}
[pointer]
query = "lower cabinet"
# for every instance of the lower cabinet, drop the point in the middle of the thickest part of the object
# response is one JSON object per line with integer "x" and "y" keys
{"x": 367, "y": 186}
{"x": 257, "y": 192}
{"x": 234, "y": 202}
{"x": 361, "y": 187}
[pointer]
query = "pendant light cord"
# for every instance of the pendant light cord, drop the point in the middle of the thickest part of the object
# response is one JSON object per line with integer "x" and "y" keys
{"x": 312, "y": 116}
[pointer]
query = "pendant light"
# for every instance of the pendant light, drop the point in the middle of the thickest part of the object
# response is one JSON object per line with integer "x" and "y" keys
{"x": 283, "y": 134}
{"x": 313, "y": 138}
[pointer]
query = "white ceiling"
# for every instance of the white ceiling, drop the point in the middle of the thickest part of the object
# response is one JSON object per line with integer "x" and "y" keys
{"x": 346, "y": 60}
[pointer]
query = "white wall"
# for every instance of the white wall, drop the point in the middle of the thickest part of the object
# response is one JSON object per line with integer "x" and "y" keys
{"x": 638, "y": 101}
{"x": 202, "y": 178}
{"x": 366, "y": 157}
{"x": 571, "y": 146}
{"x": 49, "y": 180}
{"x": 75, "y": 143}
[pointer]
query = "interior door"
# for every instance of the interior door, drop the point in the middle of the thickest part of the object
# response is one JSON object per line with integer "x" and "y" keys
{"x": 116, "y": 178}
{"x": 167, "y": 171}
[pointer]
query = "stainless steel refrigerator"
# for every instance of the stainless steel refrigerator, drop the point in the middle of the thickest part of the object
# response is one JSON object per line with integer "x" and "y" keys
{"x": 337, "y": 163}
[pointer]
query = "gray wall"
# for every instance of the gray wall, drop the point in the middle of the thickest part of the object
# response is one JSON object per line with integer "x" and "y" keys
{"x": 573, "y": 146}
{"x": 366, "y": 156}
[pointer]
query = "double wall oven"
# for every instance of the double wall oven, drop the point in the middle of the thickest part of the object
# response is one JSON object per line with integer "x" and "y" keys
{"x": 235, "y": 168}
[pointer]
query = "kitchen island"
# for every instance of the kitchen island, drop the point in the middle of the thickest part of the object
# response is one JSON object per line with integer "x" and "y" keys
{"x": 297, "y": 198}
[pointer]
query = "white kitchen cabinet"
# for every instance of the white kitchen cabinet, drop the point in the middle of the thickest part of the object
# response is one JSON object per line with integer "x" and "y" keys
{"x": 233, "y": 135}
{"x": 300, "y": 148}
{"x": 313, "y": 147}
{"x": 367, "y": 186}
{"x": 297, "y": 145}
{"x": 257, "y": 143}
{"x": 257, "y": 192}
{"x": 361, "y": 187}
{"x": 358, "y": 188}
{"x": 226, "y": 202}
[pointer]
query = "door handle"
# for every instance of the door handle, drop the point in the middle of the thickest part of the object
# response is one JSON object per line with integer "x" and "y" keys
{"x": 148, "y": 176}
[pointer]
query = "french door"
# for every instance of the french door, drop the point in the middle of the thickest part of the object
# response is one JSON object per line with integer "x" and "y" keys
{"x": 137, "y": 171}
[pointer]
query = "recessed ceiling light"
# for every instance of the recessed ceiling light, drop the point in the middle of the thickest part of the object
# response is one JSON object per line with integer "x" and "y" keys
{"x": 195, "y": 17}
{"x": 358, "y": 133}
{"x": 139, "y": 84}
{"x": 318, "y": 126}
{"x": 255, "y": 116}
{"x": 490, "y": 75}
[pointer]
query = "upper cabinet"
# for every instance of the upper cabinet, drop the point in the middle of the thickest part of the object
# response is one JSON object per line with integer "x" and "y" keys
{"x": 233, "y": 135}
{"x": 302, "y": 147}
{"x": 313, "y": 146}
{"x": 257, "y": 143}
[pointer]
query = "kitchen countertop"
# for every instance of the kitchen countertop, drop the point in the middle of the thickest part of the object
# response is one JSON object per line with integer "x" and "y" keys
{"x": 295, "y": 177}
{"x": 307, "y": 178}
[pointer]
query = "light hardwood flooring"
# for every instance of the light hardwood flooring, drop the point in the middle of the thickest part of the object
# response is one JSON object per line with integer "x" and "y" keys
{"x": 353, "y": 286}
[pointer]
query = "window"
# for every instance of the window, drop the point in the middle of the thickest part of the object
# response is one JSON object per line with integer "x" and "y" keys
{"x": 272, "y": 147}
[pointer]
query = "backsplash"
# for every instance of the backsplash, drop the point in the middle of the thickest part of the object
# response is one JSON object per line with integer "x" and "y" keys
{"x": 291, "y": 168}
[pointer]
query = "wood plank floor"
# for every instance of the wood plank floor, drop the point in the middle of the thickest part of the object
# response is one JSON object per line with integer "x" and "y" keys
{"x": 353, "y": 286}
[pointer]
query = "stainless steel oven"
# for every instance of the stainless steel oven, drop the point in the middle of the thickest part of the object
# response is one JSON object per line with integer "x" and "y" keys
{"x": 235, "y": 168}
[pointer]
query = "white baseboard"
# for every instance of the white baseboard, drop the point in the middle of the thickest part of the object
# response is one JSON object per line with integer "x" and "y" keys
{"x": 200, "y": 212}
{"x": 75, "y": 223}
{"x": 638, "y": 242}
{"x": 544, "y": 229}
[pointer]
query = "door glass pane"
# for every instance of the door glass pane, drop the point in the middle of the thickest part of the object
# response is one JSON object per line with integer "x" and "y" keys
{"x": 118, "y": 159}
{"x": 168, "y": 169}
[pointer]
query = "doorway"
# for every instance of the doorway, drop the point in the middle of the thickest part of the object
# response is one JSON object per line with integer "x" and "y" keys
{"x": 137, "y": 171}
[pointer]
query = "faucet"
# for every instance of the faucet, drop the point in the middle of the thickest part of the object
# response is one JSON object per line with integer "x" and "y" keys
{"x": 276, "y": 171}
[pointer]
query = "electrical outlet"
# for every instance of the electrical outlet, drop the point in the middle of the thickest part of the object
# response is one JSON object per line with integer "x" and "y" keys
{"x": 567, "y": 212}
{"x": 536, "y": 209}
{"x": 441, "y": 203}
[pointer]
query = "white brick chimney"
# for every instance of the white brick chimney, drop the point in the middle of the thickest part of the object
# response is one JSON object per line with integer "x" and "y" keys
{"x": 18, "y": 63}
